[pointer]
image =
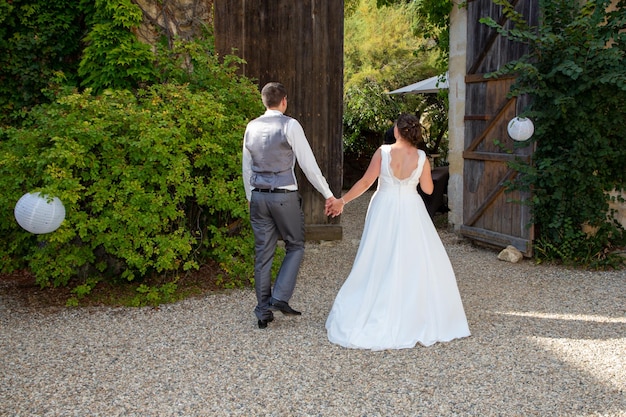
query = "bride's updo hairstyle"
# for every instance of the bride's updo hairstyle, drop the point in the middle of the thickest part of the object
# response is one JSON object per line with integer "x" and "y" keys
{"x": 410, "y": 129}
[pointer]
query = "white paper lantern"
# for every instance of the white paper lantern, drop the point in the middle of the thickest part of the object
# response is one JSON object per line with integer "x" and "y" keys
{"x": 35, "y": 214}
{"x": 520, "y": 128}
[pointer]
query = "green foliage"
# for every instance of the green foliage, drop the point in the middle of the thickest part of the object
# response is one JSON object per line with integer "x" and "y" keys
{"x": 367, "y": 111}
{"x": 37, "y": 39}
{"x": 349, "y": 7}
{"x": 376, "y": 64}
{"x": 146, "y": 159}
{"x": 89, "y": 43}
{"x": 81, "y": 291}
{"x": 154, "y": 295}
{"x": 150, "y": 181}
{"x": 431, "y": 22}
{"x": 113, "y": 57}
{"x": 367, "y": 52}
{"x": 576, "y": 76}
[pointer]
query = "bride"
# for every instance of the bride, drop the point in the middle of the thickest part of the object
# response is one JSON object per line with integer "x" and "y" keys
{"x": 402, "y": 289}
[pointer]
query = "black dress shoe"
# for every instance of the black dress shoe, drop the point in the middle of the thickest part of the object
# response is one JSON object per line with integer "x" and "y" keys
{"x": 284, "y": 308}
{"x": 263, "y": 323}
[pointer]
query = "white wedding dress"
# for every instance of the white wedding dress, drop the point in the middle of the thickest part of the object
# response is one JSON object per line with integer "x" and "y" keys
{"x": 402, "y": 289}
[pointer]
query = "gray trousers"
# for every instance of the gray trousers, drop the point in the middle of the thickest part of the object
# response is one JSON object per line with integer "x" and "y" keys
{"x": 272, "y": 216}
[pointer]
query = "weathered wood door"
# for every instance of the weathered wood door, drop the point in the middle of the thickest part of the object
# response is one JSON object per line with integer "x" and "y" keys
{"x": 300, "y": 44}
{"x": 491, "y": 214}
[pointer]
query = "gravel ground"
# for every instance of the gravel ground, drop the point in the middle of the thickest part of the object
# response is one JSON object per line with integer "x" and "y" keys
{"x": 546, "y": 341}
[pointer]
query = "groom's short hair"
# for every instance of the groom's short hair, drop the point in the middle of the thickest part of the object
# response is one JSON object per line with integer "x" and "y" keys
{"x": 272, "y": 94}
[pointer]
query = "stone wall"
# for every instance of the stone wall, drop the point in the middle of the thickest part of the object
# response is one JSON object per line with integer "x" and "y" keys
{"x": 456, "y": 124}
{"x": 175, "y": 18}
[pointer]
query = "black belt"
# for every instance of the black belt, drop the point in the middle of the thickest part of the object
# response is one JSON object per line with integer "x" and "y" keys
{"x": 275, "y": 190}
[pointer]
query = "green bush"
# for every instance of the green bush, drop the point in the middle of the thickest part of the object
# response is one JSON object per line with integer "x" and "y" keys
{"x": 146, "y": 160}
{"x": 151, "y": 182}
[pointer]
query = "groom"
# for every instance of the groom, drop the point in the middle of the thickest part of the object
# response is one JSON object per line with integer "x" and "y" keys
{"x": 272, "y": 144}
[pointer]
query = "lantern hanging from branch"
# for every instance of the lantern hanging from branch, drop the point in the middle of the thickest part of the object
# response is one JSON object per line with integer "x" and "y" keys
{"x": 38, "y": 215}
{"x": 520, "y": 128}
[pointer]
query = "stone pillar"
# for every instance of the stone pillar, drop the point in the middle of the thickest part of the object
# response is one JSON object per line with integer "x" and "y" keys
{"x": 456, "y": 124}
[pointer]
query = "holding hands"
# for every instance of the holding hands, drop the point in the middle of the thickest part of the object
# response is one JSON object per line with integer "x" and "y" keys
{"x": 334, "y": 207}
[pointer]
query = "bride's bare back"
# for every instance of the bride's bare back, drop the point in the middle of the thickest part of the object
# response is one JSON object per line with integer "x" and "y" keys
{"x": 404, "y": 160}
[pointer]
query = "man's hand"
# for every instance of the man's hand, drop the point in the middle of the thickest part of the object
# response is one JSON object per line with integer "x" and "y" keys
{"x": 328, "y": 205}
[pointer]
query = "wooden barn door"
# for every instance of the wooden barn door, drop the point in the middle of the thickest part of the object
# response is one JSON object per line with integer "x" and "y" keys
{"x": 300, "y": 44}
{"x": 490, "y": 214}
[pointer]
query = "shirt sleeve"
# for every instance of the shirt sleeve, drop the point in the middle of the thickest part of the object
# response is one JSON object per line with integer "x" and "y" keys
{"x": 246, "y": 168}
{"x": 304, "y": 155}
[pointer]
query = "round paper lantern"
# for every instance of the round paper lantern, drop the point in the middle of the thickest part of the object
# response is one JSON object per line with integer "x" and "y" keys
{"x": 520, "y": 128}
{"x": 38, "y": 215}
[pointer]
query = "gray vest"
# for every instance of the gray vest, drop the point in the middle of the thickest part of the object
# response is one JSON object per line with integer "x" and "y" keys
{"x": 272, "y": 156}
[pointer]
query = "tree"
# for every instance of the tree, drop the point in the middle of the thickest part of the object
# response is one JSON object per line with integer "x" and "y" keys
{"x": 381, "y": 53}
{"x": 432, "y": 22}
